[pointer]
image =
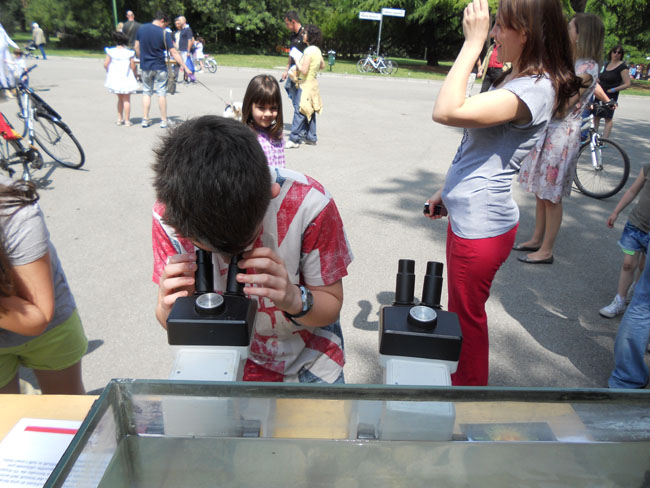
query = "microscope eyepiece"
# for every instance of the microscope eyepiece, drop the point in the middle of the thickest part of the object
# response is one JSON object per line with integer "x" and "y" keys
{"x": 432, "y": 287}
{"x": 405, "y": 282}
{"x": 204, "y": 276}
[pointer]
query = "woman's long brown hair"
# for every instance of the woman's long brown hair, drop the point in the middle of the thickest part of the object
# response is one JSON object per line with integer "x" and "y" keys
{"x": 547, "y": 50}
{"x": 12, "y": 198}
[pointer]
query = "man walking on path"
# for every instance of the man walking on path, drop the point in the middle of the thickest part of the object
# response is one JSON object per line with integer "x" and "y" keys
{"x": 38, "y": 38}
{"x": 292, "y": 21}
{"x": 130, "y": 28}
{"x": 151, "y": 46}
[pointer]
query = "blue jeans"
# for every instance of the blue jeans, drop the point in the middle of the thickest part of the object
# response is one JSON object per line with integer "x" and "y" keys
{"x": 630, "y": 370}
{"x": 40, "y": 46}
{"x": 300, "y": 126}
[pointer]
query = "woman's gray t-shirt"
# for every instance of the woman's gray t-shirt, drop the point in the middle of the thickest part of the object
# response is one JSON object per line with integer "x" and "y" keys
{"x": 478, "y": 187}
{"x": 27, "y": 239}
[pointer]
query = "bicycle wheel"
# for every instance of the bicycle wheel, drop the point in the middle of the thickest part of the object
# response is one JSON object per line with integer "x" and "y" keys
{"x": 384, "y": 66}
{"x": 362, "y": 66}
{"x": 56, "y": 139}
{"x": 210, "y": 65}
{"x": 608, "y": 176}
{"x": 393, "y": 66}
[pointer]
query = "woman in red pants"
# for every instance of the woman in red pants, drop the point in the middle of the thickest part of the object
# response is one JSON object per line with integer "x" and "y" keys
{"x": 501, "y": 126}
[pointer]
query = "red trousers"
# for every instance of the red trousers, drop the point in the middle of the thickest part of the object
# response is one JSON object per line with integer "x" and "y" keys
{"x": 471, "y": 266}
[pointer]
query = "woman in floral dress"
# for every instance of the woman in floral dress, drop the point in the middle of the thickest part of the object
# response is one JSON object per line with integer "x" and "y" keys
{"x": 548, "y": 169}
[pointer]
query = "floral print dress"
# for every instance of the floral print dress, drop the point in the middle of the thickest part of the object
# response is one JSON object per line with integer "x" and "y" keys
{"x": 548, "y": 169}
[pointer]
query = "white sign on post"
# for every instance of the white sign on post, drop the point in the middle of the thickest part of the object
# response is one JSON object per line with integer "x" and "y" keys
{"x": 369, "y": 15}
{"x": 393, "y": 12}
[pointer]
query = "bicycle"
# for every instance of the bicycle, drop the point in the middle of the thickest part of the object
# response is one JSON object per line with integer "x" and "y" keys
{"x": 210, "y": 63}
{"x": 29, "y": 51}
{"x": 376, "y": 63}
{"x": 603, "y": 166}
{"x": 13, "y": 152}
{"x": 44, "y": 126}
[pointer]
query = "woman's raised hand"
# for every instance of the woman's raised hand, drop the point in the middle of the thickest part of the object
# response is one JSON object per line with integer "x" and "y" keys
{"x": 476, "y": 21}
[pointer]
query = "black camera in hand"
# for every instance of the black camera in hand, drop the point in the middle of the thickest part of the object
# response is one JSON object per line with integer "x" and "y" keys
{"x": 208, "y": 318}
{"x": 419, "y": 330}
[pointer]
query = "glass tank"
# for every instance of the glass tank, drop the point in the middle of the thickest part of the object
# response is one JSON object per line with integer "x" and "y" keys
{"x": 143, "y": 433}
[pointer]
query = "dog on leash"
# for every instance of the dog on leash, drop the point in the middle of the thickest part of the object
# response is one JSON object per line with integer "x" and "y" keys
{"x": 233, "y": 110}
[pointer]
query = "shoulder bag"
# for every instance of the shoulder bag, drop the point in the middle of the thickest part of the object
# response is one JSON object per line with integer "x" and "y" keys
{"x": 171, "y": 76}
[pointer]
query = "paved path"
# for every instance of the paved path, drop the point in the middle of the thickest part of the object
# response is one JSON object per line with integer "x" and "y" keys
{"x": 381, "y": 156}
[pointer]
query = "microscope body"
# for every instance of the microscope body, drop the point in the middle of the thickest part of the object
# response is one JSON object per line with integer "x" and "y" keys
{"x": 230, "y": 325}
{"x": 212, "y": 333}
{"x": 419, "y": 345}
{"x": 210, "y": 319}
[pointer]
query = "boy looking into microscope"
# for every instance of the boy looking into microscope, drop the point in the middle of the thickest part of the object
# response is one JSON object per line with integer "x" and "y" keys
{"x": 215, "y": 191}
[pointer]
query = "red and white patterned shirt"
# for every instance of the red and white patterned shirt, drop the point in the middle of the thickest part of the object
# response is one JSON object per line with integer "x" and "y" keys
{"x": 302, "y": 226}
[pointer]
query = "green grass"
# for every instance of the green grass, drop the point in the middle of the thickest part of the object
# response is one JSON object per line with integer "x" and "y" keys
{"x": 408, "y": 68}
{"x": 52, "y": 47}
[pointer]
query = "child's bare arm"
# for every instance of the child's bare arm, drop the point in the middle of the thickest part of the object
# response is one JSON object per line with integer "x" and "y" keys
{"x": 627, "y": 198}
{"x": 107, "y": 61}
{"x": 273, "y": 282}
{"x": 32, "y": 307}
{"x": 133, "y": 68}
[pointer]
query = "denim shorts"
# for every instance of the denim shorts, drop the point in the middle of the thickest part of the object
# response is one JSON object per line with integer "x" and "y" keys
{"x": 634, "y": 240}
{"x": 153, "y": 80}
{"x": 57, "y": 349}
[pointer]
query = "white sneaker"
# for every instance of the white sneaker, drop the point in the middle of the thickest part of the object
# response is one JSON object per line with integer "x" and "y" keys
{"x": 613, "y": 309}
{"x": 291, "y": 145}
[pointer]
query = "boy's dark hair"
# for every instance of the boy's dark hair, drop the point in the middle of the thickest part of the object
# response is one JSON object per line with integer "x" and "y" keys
{"x": 263, "y": 90}
{"x": 120, "y": 38}
{"x": 292, "y": 15}
{"x": 314, "y": 35}
{"x": 160, "y": 15}
{"x": 212, "y": 176}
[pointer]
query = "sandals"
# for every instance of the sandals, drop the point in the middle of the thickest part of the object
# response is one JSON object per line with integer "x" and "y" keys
{"x": 119, "y": 122}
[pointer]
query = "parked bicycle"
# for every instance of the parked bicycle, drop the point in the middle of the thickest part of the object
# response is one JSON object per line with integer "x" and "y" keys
{"x": 13, "y": 152}
{"x": 44, "y": 126}
{"x": 603, "y": 166}
{"x": 377, "y": 64}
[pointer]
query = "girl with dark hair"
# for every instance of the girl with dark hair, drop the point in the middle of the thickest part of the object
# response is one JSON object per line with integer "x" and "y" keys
{"x": 262, "y": 112}
{"x": 549, "y": 168}
{"x": 308, "y": 90}
{"x": 121, "y": 76}
{"x": 501, "y": 126}
{"x": 39, "y": 324}
{"x": 614, "y": 78}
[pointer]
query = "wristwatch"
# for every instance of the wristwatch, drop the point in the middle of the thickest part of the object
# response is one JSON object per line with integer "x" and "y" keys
{"x": 307, "y": 303}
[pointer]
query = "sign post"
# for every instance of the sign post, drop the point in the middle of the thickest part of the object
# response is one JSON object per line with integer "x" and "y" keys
{"x": 391, "y": 12}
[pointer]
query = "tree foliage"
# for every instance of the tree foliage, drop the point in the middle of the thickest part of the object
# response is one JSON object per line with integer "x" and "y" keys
{"x": 431, "y": 28}
{"x": 627, "y": 22}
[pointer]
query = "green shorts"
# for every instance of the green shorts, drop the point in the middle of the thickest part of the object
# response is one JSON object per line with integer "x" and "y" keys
{"x": 56, "y": 349}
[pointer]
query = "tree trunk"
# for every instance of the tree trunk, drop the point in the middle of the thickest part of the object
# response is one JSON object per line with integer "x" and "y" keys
{"x": 430, "y": 43}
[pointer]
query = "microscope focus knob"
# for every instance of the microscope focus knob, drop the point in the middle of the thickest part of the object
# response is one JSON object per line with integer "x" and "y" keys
{"x": 209, "y": 303}
{"x": 424, "y": 317}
